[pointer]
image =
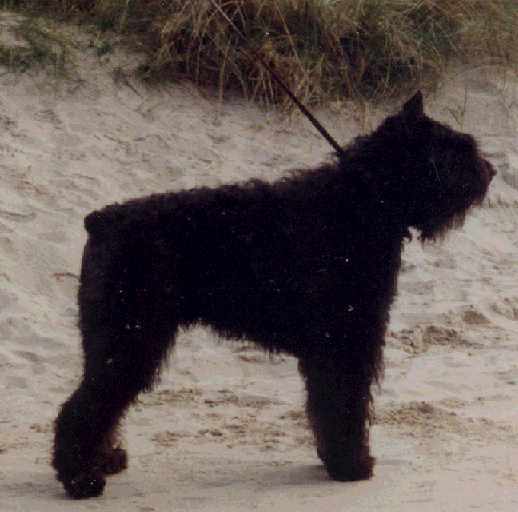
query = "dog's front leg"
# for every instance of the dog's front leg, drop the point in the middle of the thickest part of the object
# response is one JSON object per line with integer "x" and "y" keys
{"x": 338, "y": 405}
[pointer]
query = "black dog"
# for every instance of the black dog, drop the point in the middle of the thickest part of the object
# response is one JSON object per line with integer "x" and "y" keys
{"x": 307, "y": 265}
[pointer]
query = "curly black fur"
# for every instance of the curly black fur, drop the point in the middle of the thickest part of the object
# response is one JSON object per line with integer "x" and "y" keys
{"x": 307, "y": 265}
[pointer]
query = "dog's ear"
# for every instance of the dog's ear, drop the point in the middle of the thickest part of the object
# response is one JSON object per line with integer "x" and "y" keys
{"x": 413, "y": 108}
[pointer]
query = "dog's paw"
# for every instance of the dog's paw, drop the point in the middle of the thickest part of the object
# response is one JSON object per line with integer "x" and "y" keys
{"x": 347, "y": 470}
{"x": 85, "y": 485}
{"x": 114, "y": 461}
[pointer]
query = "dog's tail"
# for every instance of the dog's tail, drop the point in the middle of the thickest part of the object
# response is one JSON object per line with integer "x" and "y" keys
{"x": 100, "y": 223}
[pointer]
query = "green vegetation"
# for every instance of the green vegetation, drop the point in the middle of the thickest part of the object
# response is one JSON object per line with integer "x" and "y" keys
{"x": 324, "y": 49}
{"x": 37, "y": 44}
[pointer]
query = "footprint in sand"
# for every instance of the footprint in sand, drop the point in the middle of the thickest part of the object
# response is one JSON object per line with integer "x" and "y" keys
{"x": 42, "y": 428}
{"x": 48, "y": 116}
{"x": 509, "y": 376}
{"x": 227, "y": 397}
{"x": 7, "y": 123}
{"x": 422, "y": 415}
{"x": 422, "y": 337}
{"x": 508, "y": 308}
{"x": 17, "y": 215}
{"x": 28, "y": 356}
{"x": 185, "y": 395}
{"x": 472, "y": 316}
{"x": 167, "y": 438}
{"x": 88, "y": 182}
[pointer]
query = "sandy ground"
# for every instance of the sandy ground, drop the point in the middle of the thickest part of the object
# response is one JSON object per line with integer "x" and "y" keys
{"x": 225, "y": 430}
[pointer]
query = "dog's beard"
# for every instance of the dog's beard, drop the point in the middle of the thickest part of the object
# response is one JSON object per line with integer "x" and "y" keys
{"x": 437, "y": 227}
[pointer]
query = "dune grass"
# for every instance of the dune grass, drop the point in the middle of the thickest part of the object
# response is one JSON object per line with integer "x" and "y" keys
{"x": 38, "y": 44}
{"x": 325, "y": 50}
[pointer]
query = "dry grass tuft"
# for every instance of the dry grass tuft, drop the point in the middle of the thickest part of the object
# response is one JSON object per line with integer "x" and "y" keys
{"x": 36, "y": 44}
{"x": 325, "y": 50}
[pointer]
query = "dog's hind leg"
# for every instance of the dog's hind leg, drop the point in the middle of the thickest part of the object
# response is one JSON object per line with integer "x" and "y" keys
{"x": 126, "y": 333}
{"x": 338, "y": 407}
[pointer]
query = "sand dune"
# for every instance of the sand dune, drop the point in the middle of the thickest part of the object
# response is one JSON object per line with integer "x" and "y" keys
{"x": 225, "y": 429}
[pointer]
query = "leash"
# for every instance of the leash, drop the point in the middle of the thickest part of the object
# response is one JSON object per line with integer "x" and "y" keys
{"x": 314, "y": 121}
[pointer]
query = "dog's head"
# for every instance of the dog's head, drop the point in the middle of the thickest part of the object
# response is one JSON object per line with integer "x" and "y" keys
{"x": 425, "y": 173}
